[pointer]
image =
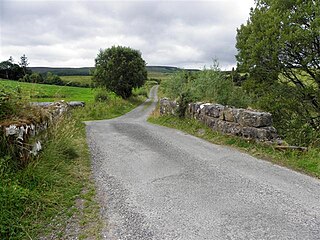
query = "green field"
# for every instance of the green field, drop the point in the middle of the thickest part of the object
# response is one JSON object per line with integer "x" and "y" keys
{"x": 50, "y": 93}
{"x": 159, "y": 75}
{"x": 77, "y": 79}
{"x": 87, "y": 80}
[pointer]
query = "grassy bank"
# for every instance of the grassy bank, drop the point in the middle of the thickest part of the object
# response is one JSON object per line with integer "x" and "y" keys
{"x": 306, "y": 162}
{"x": 54, "y": 196}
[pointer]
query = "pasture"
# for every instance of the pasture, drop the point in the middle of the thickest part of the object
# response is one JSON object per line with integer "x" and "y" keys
{"x": 49, "y": 93}
{"x": 82, "y": 80}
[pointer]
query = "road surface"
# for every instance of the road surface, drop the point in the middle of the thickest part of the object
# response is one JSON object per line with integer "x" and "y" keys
{"x": 159, "y": 183}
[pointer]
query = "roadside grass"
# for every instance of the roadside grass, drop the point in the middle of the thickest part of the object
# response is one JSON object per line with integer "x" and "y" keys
{"x": 305, "y": 162}
{"x": 39, "y": 199}
{"x": 54, "y": 196}
{"x": 50, "y": 93}
{"x": 112, "y": 108}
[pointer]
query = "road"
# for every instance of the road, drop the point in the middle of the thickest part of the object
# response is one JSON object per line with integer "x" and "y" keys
{"x": 159, "y": 183}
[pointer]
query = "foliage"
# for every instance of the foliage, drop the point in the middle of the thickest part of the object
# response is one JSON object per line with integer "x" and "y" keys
{"x": 120, "y": 69}
{"x": 279, "y": 48}
{"x": 206, "y": 85}
{"x": 288, "y": 111}
{"x": 9, "y": 70}
{"x": 102, "y": 95}
{"x": 24, "y": 63}
{"x": 49, "y": 78}
{"x": 237, "y": 77}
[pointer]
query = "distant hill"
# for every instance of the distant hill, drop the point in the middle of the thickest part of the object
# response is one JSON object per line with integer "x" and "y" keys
{"x": 85, "y": 71}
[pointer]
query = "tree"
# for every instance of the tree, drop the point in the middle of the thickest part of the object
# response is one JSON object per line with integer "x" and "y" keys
{"x": 281, "y": 44}
{"x": 10, "y": 70}
{"x": 11, "y": 59}
{"x": 120, "y": 69}
{"x": 24, "y": 63}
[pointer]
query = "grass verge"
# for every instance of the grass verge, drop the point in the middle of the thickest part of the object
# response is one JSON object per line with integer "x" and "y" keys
{"x": 305, "y": 162}
{"x": 54, "y": 196}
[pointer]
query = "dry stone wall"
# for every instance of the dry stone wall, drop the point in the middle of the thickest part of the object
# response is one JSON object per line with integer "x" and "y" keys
{"x": 245, "y": 123}
{"x": 25, "y": 137}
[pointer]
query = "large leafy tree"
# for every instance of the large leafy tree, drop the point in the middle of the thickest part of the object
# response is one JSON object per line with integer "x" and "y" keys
{"x": 120, "y": 69}
{"x": 280, "y": 43}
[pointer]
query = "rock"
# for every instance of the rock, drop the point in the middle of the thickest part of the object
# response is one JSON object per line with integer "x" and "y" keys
{"x": 210, "y": 121}
{"x": 261, "y": 134}
{"x": 214, "y": 110}
{"x": 36, "y": 148}
{"x": 168, "y": 107}
{"x": 228, "y": 127}
{"x": 249, "y": 132}
{"x": 73, "y": 104}
{"x": 248, "y": 118}
{"x": 42, "y": 104}
{"x": 12, "y": 130}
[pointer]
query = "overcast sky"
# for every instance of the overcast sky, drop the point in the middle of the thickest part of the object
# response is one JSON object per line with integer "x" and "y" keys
{"x": 187, "y": 34}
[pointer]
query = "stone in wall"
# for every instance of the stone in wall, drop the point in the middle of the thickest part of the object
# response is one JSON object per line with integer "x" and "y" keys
{"x": 168, "y": 107}
{"x": 255, "y": 119}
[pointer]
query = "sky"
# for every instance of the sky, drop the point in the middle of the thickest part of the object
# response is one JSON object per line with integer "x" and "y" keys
{"x": 185, "y": 34}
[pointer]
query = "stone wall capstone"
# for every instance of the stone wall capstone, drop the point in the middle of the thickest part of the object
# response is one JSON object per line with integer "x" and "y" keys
{"x": 245, "y": 123}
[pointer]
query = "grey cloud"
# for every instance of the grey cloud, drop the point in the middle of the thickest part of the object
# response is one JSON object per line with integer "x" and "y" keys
{"x": 180, "y": 33}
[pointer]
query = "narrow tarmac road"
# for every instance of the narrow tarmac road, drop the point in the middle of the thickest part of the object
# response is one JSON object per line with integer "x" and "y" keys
{"x": 159, "y": 183}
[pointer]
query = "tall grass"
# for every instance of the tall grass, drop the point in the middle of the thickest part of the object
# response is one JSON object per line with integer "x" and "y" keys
{"x": 31, "y": 197}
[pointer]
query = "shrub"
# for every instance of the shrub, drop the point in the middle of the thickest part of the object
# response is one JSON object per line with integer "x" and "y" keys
{"x": 206, "y": 85}
{"x": 142, "y": 91}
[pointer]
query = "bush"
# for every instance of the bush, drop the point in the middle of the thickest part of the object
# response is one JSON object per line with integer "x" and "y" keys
{"x": 142, "y": 91}
{"x": 207, "y": 85}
